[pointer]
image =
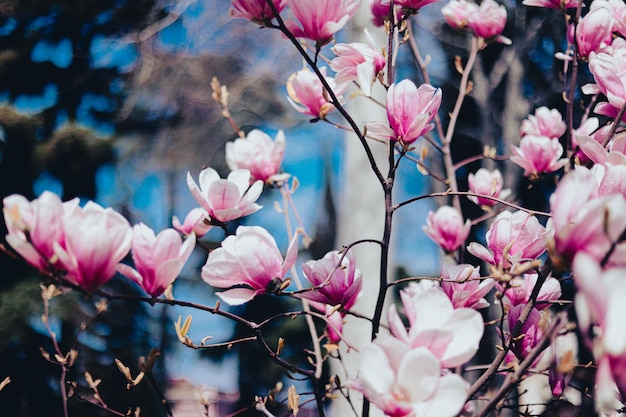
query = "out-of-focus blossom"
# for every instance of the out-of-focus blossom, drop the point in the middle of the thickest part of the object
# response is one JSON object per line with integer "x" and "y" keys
{"x": 226, "y": 199}
{"x": 405, "y": 383}
{"x": 194, "y": 222}
{"x": 380, "y": 11}
{"x": 487, "y": 183}
{"x": 488, "y": 21}
{"x": 455, "y": 13}
{"x": 358, "y": 62}
{"x": 511, "y": 238}
{"x": 339, "y": 279}
{"x": 538, "y": 154}
{"x": 248, "y": 263}
{"x": 414, "y": 4}
{"x": 520, "y": 288}
{"x": 467, "y": 289}
{"x": 409, "y": 111}
{"x": 257, "y": 153}
{"x": 452, "y": 335}
{"x": 530, "y": 333}
{"x": 593, "y": 32}
{"x": 158, "y": 259}
{"x": 446, "y": 228}
{"x": 545, "y": 122}
{"x": 256, "y": 10}
{"x": 96, "y": 240}
{"x": 552, "y": 4}
{"x": 609, "y": 71}
{"x": 320, "y": 19}
{"x": 307, "y": 94}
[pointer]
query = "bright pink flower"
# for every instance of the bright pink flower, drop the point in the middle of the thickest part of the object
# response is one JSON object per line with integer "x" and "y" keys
{"x": 487, "y": 183}
{"x": 609, "y": 71}
{"x": 227, "y": 199}
{"x": 257, "y": 153}
{"x": 467, "y": 290}
{"x": 455, "y": 13}
{"x": 552, "y": 4}
{"x": 320, "y": 19}
{"x": 520, "y": 288}
{"x": 488, "y": 21}
{"x": 452, "y": 335}
{"x": 256, "y": 10}
{"x": 158, "y": 259}
{"x": 538, "y": 154}
{"x": 414, "y": 4}
{"x": 358, "y": 62}
{"x": 545, "y": 122}
{"x": 194, "y": 222}
{"x": 512, "y": 238}
{"x": 339, "y": 278}
{"x": 405, "y": 383}
{"x": 446, "y": 228}
{"x": 307, "y": 94}
{"x": 380, "y": 11}
{"x": 593, "y": 32}
{"x": 531, "y": 330}
{"x": 96, "y": 240}
{"x": 250, "y": 262}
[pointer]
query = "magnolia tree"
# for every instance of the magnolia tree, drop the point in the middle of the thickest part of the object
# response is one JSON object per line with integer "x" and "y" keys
{"x": 418, "y": 362}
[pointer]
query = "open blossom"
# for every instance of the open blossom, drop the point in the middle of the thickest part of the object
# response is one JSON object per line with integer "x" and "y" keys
{"x": 307, "y": 94}
{"x": 463, "y": 286}
{"x": 488, "y": 21}
{"x": 358, "y": 62}
{"x": 96, "y": 240}
{"x": 487, "y": 183}
{"x": 609, "y": 71}
{"x": 158, "y": 259}
{"x": 193, "y": 223}
{"x": 257, "y": 153}
{"x": 617, "y": 9}
{"x": 552, "y": 4}
{"x": 248, "y": 263}
{"x": 404, "y": 383}
{"x": 446, "y": 228}
{"x": 593, "y": 32}
{"x": 227, "y": 199}
{"x": 545, "y": 122}
{"x": 538, "y": 154}
{"x": 511, "y": 238}
{"x": 452, "y": 335}
{"x": 520, "y": 288}
{"x": 320, "y": 19}
{"x": 255, "y": 10}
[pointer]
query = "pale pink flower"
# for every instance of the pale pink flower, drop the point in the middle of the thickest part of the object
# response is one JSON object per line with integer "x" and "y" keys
{"x": 538, "y": 154}
{"x": 520, "y": 288}
{"x": 488, "y": 21}
{"x": 358, "y": 62}
{"x": 452, "y": 335}
{"x": 446, "y": 228}
{"x": 487, "y": 183}
{"x": 193, "y": 223}
{"x": 552, "y": 4}
{"x": 320, "y": 19}
{"x": 463, "y": 286}
{"x": 307, "y": 94}
{"x": 609, "y": 71}
{"x": 593, "y": 32}
{"x": 409, "y": 111}
{"x": 96, "y": 240}
{"x": 617, "y": 9}
{"x": 545, "y": 122}
{"x": 403, "y": 382}
{"x": 455, "y": 13}
{"x": 226, "y": 199}
{"x": 256, "y": 10}
{"x": 530, "y": 333}
{"x": 158, "y": 259}
{"x": 588, "y": 128}
{"x": 248, "y": 264}
{"x": 257, "y": 153}
{"x": 511, "y": 238}
{"x": 380, "y": 11}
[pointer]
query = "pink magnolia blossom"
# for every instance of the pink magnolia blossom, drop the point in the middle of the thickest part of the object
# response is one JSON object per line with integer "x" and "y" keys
{"x": 193, "y": 223}
{"x": 520, "y": 288}
{"x": 452, "y": 335}
{"x": 158, "y": 259}
{"x": 511, "y": 238}
{"x": 463, "y": 286}
{"x": 610, "y": 166}
{"x": 617, "y": 10}
{"x": 409, "y": 111}
{"x": 96, "y": 240}
{"x": 593, "y": 32}
{"x": 358, "y": 62}
{"x": 405, "y": 383}
{"x": 307, "y": 94}
{"x": 257, "y": 153}
{"x": 255, "y": 10}
{"x": 248, "y": 264}
{"x": 226, "y": 199}
{"x": 538, "y": 154}
{"x": 487, "y": 183}
{"x": 446, "y": 228}
{"x": 455, "y": 13}
{"x": 320, "y": 19}
{"x": 545, "y": 122}
{"x": 531, "y": 330}
{"x": 588, "y": 128}
{"x": 552, "y": 4}
{"x": 488, "y": 21}
{"x": 380, "y": 11}
{"x": 609, "y": 71}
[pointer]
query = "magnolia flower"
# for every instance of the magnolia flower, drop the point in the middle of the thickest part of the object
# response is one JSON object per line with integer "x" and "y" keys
{"x": 158, "y": 259}
{"x": 609, "y": 71}
{"x": 455, "y": 13}
{"x": 552, "y": 4}
{"x": 405, "y": 383}
{"x": 617, "y": 10}
{"x": 511, "y": 238}
{"x": 380, "y": 11}
{"x": 257, "y": 153}
{"x": 520, "y": 288}
{"x": 593, "y": 32}
{"x": 256, "y": 10}
{"x": 545, "y": 122}
{"x": 248, "y": 263}
{"x": 487, "y": 183}
{"x": 538, "y": 154}
{"x": 227, "y": 199}
{"x": 452, "y": 335}
{"x": 358, "y": 62}
{"x": 193, "y": 223}
{"x": 488, "y": 21}
{"x": 529, "y": 335}
{"x": 320, "y": 19}
{"x": 446, "y": 228}
{"x": 463, "y": 286}
{"x": 307, "y": 94}
{"x": 96, "y": 240}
